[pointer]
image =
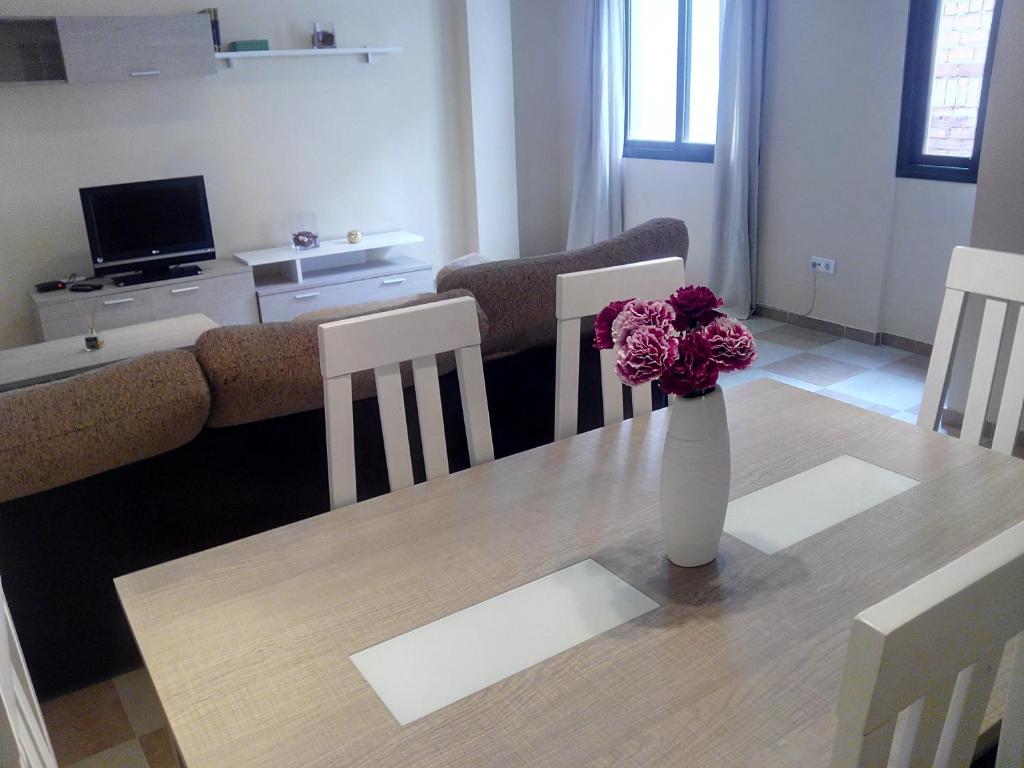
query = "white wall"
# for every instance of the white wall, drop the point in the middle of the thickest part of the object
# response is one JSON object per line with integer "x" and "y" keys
{"x": 375, "y": 147}
{"x": 655, "y": 188}
{"x": 832, "y": 110}
{"x": 492, "y": 112}
{"x": 929, "y": 218}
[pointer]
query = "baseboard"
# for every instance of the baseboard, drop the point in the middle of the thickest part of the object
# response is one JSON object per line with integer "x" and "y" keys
{"x": 843, "y": 331}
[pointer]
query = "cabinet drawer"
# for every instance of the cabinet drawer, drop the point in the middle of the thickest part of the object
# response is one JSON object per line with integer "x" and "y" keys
{"x": 111, "y": 48}
{"x": 228, "y": 300}
{"x": 73, "y": 318}
{"x": 285, "y": 306}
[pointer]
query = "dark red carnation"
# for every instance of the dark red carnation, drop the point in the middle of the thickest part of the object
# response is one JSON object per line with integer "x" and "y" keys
{"x": 694, "y": 370}
{"x": 732, "y": 346}
{"x": 645, "y": 354}
{"x": 695, "y": 306}
{"x": 603, "y": 324}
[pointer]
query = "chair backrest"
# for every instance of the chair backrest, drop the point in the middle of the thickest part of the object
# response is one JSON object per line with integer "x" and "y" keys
{"x": 999, "y": 277}
{"x": 381, "y": 342}
{"x": 584, "y": 294}
{"x": 933, "y": 649}
{"x": 24, "y": 741}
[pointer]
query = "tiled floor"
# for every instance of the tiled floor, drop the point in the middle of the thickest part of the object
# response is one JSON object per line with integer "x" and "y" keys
{"x": 881, "y": 379}
{"x": 119, "y": 723}
{"x": 114, "y": 724}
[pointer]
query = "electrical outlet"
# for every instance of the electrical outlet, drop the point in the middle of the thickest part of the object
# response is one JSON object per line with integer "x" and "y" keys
{"x": 825, "y": 266}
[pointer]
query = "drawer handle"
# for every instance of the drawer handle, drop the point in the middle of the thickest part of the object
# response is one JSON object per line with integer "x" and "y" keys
{"x": 310, "y": 295}
{"x": 393, "y": 281}
{"x": 185, "y": 290}
{"x": 111, "y": 302}
{"x": 145, "y": 73}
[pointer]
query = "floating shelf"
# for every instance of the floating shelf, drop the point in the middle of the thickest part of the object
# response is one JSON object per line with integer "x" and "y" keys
{"x": 368, "y": 51}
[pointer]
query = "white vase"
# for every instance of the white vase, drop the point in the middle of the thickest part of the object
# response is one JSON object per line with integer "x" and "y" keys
{"x": 695, "y": 474}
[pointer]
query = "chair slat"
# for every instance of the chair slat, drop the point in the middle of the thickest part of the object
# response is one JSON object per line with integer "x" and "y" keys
{"x": 611, "y": 389}
{"x": 1012, "y": 402}
{"x": 924, "y": 728}
{"x": 983, "y": 374}
{"x": 939, "y": 368}
{"x": 473, "y": 389}
{"x": 641, "y": 399}
{"x": 966, "y": 711}
{"x": 567, "y": 377}
{"x": 1011, "y": 735}
{"x": 428, "y": 407}
{"x": 391, "y": 404}
{"x": 341, "y": 464}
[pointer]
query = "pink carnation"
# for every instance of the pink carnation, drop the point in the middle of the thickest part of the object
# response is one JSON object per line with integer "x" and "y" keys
{"x": 695, "y": 306}
{"x": 603, "y": 324}
{"x": 694, "y": 371}
{"x": 645, "y": 355}
{"x": 642, "y": 314}
{"x": 732, "y": 346}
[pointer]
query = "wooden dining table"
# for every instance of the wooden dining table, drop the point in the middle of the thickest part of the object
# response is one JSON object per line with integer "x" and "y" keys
{"x": 249, "y": 644}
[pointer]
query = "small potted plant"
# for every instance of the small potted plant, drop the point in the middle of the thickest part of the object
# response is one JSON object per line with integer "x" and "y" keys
{"x": 684, "y": 344}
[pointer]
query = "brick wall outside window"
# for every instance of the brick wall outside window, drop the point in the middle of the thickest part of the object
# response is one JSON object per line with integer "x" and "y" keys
{"x": 961, "y": 48}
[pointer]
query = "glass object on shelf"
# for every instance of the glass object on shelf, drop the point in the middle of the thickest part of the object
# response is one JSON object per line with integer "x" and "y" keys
{"x": 323, "y": 35}
{"x": 304, "y": 231}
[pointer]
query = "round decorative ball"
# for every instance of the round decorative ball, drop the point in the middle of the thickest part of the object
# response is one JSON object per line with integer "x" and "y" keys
{"x": 355, "y": 236}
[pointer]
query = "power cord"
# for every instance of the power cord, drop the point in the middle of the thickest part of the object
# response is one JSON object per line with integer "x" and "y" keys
{"x": 814, "y": 294}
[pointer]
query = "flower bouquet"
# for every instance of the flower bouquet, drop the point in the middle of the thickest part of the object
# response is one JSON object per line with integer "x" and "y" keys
{"x": 684, "y": 343}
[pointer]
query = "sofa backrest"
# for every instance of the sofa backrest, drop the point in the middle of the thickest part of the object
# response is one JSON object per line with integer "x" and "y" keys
{"x": 518, "y": 295}
{"x": 53, "y": 434}
{"x": 259, "y": 372}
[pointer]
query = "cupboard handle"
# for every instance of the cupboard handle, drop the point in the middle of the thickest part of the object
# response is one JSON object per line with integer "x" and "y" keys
{"x": 117, "y": 301}
{"x": 185, "y": 290}
{"x": 310, "y": 295}
{"x": 393, "y": 281}
{"x": 145, "y": 73}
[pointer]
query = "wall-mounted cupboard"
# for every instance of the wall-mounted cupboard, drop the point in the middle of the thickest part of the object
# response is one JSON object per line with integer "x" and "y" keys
{"x": 91, "y": 49}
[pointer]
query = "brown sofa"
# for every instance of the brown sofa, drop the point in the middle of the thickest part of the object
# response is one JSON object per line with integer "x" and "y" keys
{"x": 112, "y": 471}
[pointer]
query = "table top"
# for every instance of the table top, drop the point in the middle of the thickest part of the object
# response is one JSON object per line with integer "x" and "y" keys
{"x": 248, "y": 644}
{"x": 21, "y": 366}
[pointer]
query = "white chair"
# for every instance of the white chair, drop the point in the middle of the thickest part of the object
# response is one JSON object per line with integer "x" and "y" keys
{"x": 584, "y": 294}
{"x": 933, "y": 649}
{"x": 381, "y": 342}
{"x": 24, "y": 740}
{"x": 999, "y": 277}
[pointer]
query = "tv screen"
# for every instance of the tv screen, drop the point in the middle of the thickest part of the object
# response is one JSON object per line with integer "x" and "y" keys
{"x": 148, "y": 224}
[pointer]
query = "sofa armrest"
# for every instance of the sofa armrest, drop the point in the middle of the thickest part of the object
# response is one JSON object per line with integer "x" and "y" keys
{"x": 264, "y": 371}
{"x": 56, "y": 433}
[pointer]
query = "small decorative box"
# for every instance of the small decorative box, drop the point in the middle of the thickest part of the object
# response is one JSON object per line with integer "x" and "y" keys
{"x": 249, "y": 45}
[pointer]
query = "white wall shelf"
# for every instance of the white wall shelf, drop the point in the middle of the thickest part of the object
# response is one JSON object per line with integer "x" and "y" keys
{"x": 369, "y": 51}
{"x": 331, "y": 254}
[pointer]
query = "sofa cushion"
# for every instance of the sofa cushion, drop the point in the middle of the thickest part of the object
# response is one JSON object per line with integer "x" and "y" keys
{"x": 56, "y": 433}
{"x": 263, "y": 371}
{"x": 518, "y": 295}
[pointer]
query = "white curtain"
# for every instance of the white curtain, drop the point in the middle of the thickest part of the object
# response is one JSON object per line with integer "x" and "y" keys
{"x": 733, "y": 270}
{"x": 596, "y": 212}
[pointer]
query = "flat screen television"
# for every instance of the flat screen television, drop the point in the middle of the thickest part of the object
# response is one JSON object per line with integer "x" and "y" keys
{"x": 147, "y": 226}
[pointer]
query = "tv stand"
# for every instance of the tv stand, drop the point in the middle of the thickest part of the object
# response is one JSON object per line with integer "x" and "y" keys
{"x": 224, "y": 292}
{"x": 171, "y": 273}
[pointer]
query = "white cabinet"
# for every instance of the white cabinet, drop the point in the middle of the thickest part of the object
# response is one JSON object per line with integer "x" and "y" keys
{"x": 224, "y": 292}
{"x": 277, "y": 307}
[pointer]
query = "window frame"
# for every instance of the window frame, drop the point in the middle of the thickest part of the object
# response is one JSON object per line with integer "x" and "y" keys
{"x": 911, "y": 160}
{"x": 680, "y": 149}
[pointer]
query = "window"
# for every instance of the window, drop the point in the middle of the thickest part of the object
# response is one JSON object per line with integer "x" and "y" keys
{"x": 950, "y": 45}
{"x": 672, "y": 79}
